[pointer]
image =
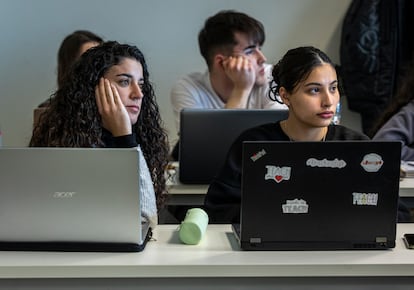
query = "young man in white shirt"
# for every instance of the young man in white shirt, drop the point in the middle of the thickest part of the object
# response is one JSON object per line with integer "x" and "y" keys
{"x": 237, "y": 76}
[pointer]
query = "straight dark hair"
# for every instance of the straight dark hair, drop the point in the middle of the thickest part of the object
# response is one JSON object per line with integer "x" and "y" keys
{"x": 219, "y": 29}
{"x": 69, "y": 51}
{"x": 294, "y": 67}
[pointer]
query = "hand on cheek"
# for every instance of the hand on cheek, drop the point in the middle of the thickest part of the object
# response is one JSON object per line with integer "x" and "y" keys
{"x": 114, "y": 116}
{"x": 240, "y": 70}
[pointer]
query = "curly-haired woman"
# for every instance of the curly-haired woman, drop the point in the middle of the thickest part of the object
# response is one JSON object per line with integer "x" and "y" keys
{"x": 107, "y": 100}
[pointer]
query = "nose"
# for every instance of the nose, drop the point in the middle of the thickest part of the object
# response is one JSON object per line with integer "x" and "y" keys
{"x": 260, "y": 57}
{"x": 136, "y": 92}
{"x": 328, "y": 98}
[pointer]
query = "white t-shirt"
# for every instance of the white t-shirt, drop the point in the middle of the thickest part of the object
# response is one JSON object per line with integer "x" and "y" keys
{"x": 195, "y": 91}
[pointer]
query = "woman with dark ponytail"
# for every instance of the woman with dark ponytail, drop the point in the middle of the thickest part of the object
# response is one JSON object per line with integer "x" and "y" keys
{"x": 306, "y": 81}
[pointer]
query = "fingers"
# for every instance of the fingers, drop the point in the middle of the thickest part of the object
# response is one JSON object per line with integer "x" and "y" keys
{"x": 106, "y": 97}
{"x": 115, "y": 95}
{"x": 98, "y": 95}
{"x": 237, "y": 62}
{"x": 106, "y": 94}
{"x": 114, "y": 115}
{"x": 240, "y": 71}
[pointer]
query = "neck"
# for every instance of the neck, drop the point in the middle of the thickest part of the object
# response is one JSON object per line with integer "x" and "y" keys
{"x": 301, "y": 133}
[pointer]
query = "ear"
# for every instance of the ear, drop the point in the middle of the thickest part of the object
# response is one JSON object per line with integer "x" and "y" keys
{"x": 218, "y": 60}
{"x": 284, "y": 96}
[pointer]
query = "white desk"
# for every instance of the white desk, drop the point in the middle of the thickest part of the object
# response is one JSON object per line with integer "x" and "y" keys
{"x": 407, "y": 187}
{"x": 215, "y": 263}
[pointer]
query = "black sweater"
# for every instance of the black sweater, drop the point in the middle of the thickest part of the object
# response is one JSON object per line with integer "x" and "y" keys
{"x": 126, "y": 141}
{"x": 222, "y": 201}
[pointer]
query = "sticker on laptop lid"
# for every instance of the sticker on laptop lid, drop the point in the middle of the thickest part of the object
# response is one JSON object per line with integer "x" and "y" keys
{"x": 372, "y": 162}
{"x": 336, "y": 163}
{"x": 295, "y": 206}
{"x": 258, "y": 155}
{"x": 277, "y": 174}
{"x": 360, "y": 198}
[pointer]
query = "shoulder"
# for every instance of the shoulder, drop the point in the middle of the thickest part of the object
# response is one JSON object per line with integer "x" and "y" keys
{"x": 407, "y": 109}
{"x": 266, "y": 132}
{"x": 194, "y": 78}
{"x": 339, "y": 132}
{"x": 193, "y": 84}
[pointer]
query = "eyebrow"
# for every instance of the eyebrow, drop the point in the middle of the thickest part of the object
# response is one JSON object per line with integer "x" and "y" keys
{"x": 250, "y": 47}
{"x": 128, "y": 76}
{"x": 124, "y": 75}
{"x": 318, "y": 84}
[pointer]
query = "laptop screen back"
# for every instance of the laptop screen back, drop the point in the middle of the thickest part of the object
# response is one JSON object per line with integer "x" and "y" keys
{"x": 207, "y": 134}
{"x": 319, "y": 195}
{"x": 71, "y": 195}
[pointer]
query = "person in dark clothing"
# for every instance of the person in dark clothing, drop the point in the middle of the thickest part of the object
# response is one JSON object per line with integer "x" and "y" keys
{"x": 306, "y": 81}
{"x": 397, "y": 121}
{"x": 376, "y": 43}
{"x": 107, "y": 100}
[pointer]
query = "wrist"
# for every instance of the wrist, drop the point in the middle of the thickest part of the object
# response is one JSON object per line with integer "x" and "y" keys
{"x": 238, "y": 99}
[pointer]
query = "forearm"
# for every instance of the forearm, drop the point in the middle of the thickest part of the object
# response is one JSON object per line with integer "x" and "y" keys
{"x": 238, "y": 99}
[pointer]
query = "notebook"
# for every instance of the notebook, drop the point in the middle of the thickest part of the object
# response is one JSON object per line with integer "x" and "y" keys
{"x": 70, "y": 199}
{"x": 336, "y": 195}
{"x": 207, "y": 134}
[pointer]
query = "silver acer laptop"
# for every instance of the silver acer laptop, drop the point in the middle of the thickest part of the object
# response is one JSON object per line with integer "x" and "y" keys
{"x": 336, "y": 195}
{"x": 207, "y": 134}
{"x": 70, "y": 199}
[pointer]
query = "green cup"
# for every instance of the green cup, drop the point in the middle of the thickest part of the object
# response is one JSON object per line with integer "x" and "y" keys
{"x": 193, "y": 226}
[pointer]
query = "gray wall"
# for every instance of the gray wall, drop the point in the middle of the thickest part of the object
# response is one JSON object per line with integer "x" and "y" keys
{"x": 165, "y": 30}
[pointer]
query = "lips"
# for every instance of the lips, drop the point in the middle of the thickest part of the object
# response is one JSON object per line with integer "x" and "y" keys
{"x": 326, "y": 115}
{"x": 262, "y": 71}
{"x": 134, "y": 109}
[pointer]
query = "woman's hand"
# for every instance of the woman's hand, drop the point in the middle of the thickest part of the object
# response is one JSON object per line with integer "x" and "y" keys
{"x": 115, "y": 117}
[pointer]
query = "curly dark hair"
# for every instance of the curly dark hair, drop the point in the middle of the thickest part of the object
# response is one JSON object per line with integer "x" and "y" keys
{"x": 73, "y": 120}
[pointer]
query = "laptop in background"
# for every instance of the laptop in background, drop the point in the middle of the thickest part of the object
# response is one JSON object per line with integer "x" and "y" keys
{"x": 70, "y": 199}
{"x": 335, "y": 195}
{"x": 207, "y": 134}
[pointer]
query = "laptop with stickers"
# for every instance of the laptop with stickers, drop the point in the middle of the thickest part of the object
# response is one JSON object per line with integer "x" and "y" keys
{"x": 71, "y": 199}
{"x": 207, "y": 134}
{"x": 335, "y": 195}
